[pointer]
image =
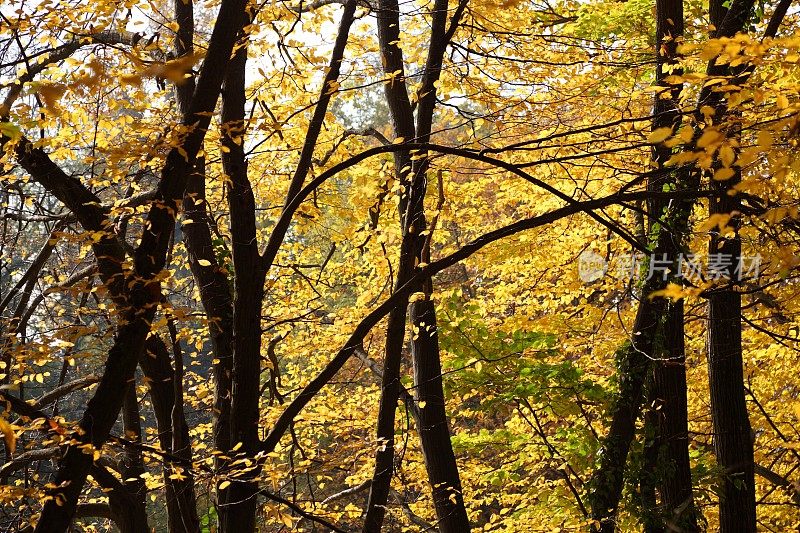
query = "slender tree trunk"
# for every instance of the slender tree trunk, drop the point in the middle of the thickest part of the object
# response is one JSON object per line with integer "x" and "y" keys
{"x": 388, "y": 21}
{"x": 434, "y": 433}
{"x": 180, "y": 492}
{"x": 633, "y": 361}
{"x": 648, "y": 475}
{"x": 437, "y": 450}
{"x": 132, "y": 466}
{"x": 123, "y": 504}
{"x": 215, "y": 294}
{"x": 97, "y": 421}
{"x": 733, "y": 440}
{"x": 212, "y": 282}
{"x": 240, "y": 506}
{"x": 675, "y": 480}
{"x": 145, "y": 293}
{"x": 390, "y": 393}
{"x": 607, "y": 481}
{"x": 669, "y": 381}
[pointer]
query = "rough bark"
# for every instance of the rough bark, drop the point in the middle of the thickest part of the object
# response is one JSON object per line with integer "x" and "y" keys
{"x": 675, "y": 479}
{"x": 669, "y": 372}
{"x": 634, "y": 363}
{"x": 121, "y": 502}
{"x": 437, "y": 450}
{"x": 733, "y": 441}
{"x": 607, "y": 481}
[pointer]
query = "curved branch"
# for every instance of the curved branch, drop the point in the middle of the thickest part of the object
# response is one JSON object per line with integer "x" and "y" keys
{"x": 355, "y": 340}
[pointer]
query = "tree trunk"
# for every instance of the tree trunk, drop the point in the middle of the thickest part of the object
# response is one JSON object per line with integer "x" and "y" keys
{"x": 675, "y": 480}
{"x": 180, "y": 493}
{"x": 633, "y": 361}
{"x": 437, "y": 450}
{"x": 123, "y": 504}
{"x": 434, "y": 433}
{"x": 239, "y": 510}
{"x": 733, "y": 440}
{"x": 212, "y": 282}
{"x": 669, "y": 380}
{"x": 388, "y": 22}
{"x": 215, "y": 294}
{"x": 145, "y": 293}
{"x": 132, "y": 466}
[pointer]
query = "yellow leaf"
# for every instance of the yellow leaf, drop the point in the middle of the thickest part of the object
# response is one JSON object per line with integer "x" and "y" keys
{"x": 224, "y": 485}
{"x": 726, "y": 155}
{"x": 673, "y": 291}
{"x": 782, "y": 101}
{"x": 416, "y": 297}
{"x": 12, "y": 131}
{"x": 659, "y": 135}
{"x": 51, "y": 93}
{"x": 709, "y": 137}
{"x": 8, "y": 435}
{"x": 724, "y": 174}
{"x": 764, "y": 140}
{"x": 719, "y": 220}
{"x": 204, "y": 262}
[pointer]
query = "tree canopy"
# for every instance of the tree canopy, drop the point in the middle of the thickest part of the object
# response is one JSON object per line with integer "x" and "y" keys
{"x": 371, "y": 265}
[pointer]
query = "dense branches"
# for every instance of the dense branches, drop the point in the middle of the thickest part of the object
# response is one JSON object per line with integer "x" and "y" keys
{"x": 437, "y": 269}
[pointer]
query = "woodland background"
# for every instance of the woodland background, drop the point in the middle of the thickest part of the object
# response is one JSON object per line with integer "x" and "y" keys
{"x": 314, "y": 266}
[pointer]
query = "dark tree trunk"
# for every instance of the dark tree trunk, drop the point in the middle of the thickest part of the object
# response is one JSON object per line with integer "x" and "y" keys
{"x": 648, "y": 475}
{"x": 212, "y": 282}
{"x": 733, "y": 440}
{"x": 132, "y": 466}
{"x": 607, "y": 481}
{"x": 388, "y": 21}
{"x": 124, "y": 508}
{"x": 437, "y": 450}
{"x": 675, "y": 480}
{"x": 180, "y": 493}
{"x": 633, "y": 361}
{"x": 215, "y": 294}
{"x": 96, "y": 424}
{"x": 238, "y": 513}
{"x": 669, "y": 390}
{"x": 434, "y": 433}
{"x": 145, "y": 293}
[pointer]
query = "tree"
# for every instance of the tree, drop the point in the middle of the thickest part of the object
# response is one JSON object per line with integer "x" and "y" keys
{"x": 442, "y": 267}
